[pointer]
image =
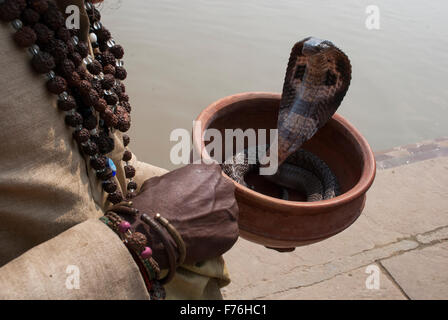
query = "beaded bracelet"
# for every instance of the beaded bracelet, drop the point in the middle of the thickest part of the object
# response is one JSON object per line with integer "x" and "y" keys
{"x": 136, "y": 243}
{"x": 167, "y": 245}
{"x": 176, "y": 236}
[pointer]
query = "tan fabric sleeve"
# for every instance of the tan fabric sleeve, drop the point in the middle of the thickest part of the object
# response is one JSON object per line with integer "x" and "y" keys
{"x": 48, "y": 271}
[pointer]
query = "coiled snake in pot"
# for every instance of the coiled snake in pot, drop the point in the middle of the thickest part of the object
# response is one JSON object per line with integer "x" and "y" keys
{"x": 317, "y": 78}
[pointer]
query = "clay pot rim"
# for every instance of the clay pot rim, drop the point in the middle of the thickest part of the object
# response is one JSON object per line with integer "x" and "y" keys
{"x": 361, "y": 187}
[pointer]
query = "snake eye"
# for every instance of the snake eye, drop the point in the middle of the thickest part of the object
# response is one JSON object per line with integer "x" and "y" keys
{"x": 330, "y": 78}
{"x": 300, "y": 71}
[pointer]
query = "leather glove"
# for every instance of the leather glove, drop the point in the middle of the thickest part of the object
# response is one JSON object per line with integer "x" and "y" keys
{"x": 199, "y": 202}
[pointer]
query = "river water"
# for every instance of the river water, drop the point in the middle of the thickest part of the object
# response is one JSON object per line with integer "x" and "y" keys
{"x": 183, "y": 55}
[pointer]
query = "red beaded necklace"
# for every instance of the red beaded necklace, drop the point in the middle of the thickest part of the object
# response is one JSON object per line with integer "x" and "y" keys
{"x": 89, "y": 88}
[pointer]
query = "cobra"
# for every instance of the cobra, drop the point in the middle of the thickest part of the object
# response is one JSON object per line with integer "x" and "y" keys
{"x": 317, "y": 79}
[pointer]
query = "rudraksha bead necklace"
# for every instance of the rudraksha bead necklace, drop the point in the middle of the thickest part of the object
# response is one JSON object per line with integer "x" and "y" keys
{"x": 89, "y": 88}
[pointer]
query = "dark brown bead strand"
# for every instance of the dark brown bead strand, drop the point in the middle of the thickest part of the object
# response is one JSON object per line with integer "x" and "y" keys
{"x": 58, "y": 49}
{"x": 85, "y": 87}
{"x": 108, "y": 81}
{"x": 90, "y": 97}
{"x": 126, "y": 105}
{"x": 109, "y": 118}
{"x": 122, "y": 86}
{"x": 89, "y": 77}
{"x": 53, "y": 18}
{"x": 83, "y": 49}
{"x": 109, "y": 186}
{"x": 132, "y": 185}
{"x": 124, "y": 97}
{"x": 96, "y": 15}
{"x": 63, "y": 34}
{"x": 57, "y": 85}
{"x": 108, "y": 58}
{"x": 96, "y": 85}
{"x": 90, "y": 122}
{"x": 25, "y": 37}
{"x": 73, "y": 120}
{"x": 79, "y": 88}
{"x": 126, "y": 140}
{"x": 95, "y": 67}
{"x": 73, "y": 79}
{"x": 39, "y": 5}
{"x": 115, "y": 197}
{"x": 120, "y": 73}
{"x": 117, "y": 88}
{"x": 43, "y": 62}
{"x": 66, "y": 67}
{"x": 105, "y": 143}
{"x": 89, "y": 148}
{"x": 43, "y": 33}
{"x": 99, "y": 163}
{"x": 127, "y": 155}
{"x": 111, "y": 99}
{"x": 22, "y": 4}
{"x": 70, "y": 47}
{"x": 124, "y": 120}
{"x": 109, "y": 69}
{"x": 76, "y": 58}
{"x": 30, "y": 16}
{"x": 103, "y": 35}
{"x": 129, "y": 171}
{"x": 117, "y": 51}
{"x": 82, "y": 135}
{"x": 106, "y": 55}
{"x": 10, "y": 10}
{"x": 100, "y": 105}
{"x": 105, "y": 174}
{"x": 67, "y": 104}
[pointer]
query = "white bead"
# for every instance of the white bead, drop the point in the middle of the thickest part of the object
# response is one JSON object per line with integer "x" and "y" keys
{"x": 110, "y": 43}
{"x": 75, "y": 40}
{"x": 97, "y": 25}
{"x": 34, "y": 49}
{"x": 64, "y": 96}
{"x": 88, "y": 60}
{"x": 119, "y": 63}
{"x": 17, "y": 24}
{"x": 93, "y": 38}
{"x": 88, "y": 5}
{"x": 50, "y": 75}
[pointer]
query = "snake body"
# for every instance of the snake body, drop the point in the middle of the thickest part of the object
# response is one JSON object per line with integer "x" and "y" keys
{"x": 317, "y": 78}
{"x": 302, "y": 171}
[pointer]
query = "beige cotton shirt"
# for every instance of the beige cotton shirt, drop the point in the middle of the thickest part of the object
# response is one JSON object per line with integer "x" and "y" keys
{"x": 50, "y": 202}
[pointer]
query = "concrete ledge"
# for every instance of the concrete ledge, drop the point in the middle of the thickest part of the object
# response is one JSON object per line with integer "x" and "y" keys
{"x": 406, "y": 213}
{"x": 412, "y": 153}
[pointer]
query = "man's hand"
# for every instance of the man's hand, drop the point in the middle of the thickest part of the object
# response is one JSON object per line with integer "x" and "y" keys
{"x": 199, "y": 202}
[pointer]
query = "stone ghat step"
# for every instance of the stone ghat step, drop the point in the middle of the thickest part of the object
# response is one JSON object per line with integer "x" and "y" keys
{"x": 412, "y": 153}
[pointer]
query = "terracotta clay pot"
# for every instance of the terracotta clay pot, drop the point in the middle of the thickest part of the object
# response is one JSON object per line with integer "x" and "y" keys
{"x": 285, "y": 224}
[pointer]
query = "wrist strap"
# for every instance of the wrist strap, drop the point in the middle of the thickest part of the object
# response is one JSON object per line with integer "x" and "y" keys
{"x": 169, "y": 250}
{"x": 176, "y": 236}
{"x": 136, "y": 244}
